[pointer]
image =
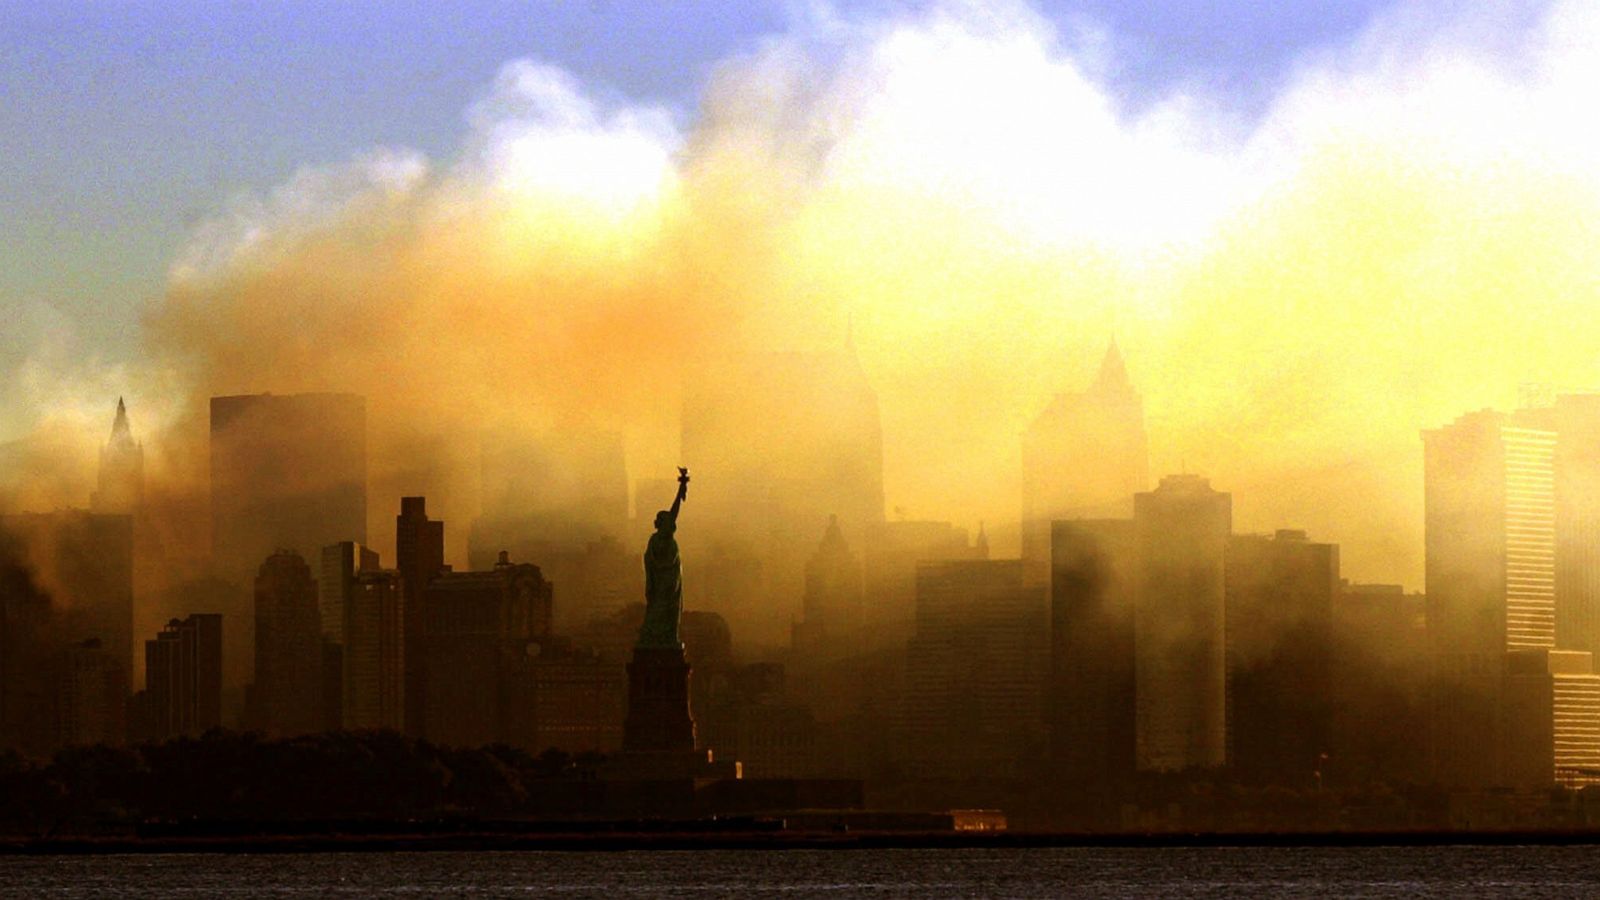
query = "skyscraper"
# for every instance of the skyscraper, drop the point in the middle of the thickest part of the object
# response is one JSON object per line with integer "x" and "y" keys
{"x": 92, "y": 696}
{"x": 478, "y": 628}
{"x": 1489, "y": 500}
{"x": 286, "y": 471}
{"x": 374, "y": 651}
{"x": 832, "y": 601}
{"x": 1091, "y": 696}
{"x": 1490, "y": 507}
{"x": 1181, "y": 531}
{"x": 1084, "y": 457}
{"x": 336, "y": 579}
{"x": 1552, "y": 711}
{"x": 1575, "y": 418}
{"x": 419, "y": 556}
{"x": 976, "y": 669}
{"x": 1279, "y": 625}
{"x": 183, "y": 678}
{"x": 288, "y": 660}
{"x": 27, "y": 711}
{"x": 120, "y": 479}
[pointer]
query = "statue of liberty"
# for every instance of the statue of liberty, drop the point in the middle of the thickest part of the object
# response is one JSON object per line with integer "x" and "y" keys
{"x": 663, "y": 578}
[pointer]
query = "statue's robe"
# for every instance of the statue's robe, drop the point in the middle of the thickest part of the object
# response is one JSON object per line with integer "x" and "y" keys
{"x": 663, "y": 591}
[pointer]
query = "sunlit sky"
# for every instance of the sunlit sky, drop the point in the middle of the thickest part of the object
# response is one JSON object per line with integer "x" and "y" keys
{"x": 1315, "y": 228}
{"x": 125, "y": 123}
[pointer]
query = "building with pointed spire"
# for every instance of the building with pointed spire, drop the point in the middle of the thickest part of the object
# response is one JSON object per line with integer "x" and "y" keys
{"x": 120, "y": 486}
{"x": 832, "y": 602}
{"x": 1084, "y": 457}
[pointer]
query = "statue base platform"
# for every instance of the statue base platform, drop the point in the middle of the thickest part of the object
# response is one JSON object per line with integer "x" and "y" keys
{"x": 695, "y": 765}
{"x": 658, "y": 719}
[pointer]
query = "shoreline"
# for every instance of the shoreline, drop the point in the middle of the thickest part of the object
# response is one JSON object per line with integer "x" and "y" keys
{"x": 745, "y": 840}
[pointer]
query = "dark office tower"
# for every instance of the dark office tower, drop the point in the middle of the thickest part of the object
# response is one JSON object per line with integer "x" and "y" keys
{"x": 288, "y": 660}
{"x": 183, "y": 678}
{"x": 286, "y": 471}
{"x": 419, "y": 556}
{"x": 27, "y": 711}
{"x": 832, "y": 603}
{"x": 341, "y": 565}
{"x": 91, "y": 698}
{"x": 793, "y": 438}
{"x": 976, "y": 670}
{"x": 1489, "y": 501}
{"x": 1181, "y": 531}
{"x": 1091, "y": 695}
{"x": 479, "y": 628}
{"x": 120, "y": 484}
{"x": 1084, "y": 457}
{"x": 1280, "y": 598}
{"x": 85, "y": 561}
{"x": 374, "y": 651}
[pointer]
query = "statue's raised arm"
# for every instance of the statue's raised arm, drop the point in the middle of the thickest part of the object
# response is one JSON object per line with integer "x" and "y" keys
{"x": 683, "y": 491}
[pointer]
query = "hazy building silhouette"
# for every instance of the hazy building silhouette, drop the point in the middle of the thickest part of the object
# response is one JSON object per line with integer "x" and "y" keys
{"x": 419, "y": 555}
{"x": 119, "y": 486}
{"x": 479, "y": 627}
{"x": 976, "y": 669}
{"x": 1381, "y": 668}
{"x": 1489, "y": 499}
{"x": 1279, "y": 626}
{"x": 92, "y": 696}
{"x": 1181, "y": 531}
{"x": 1084, "y": 457}
{"x": 27, "y": 707}
{"x": 793, "y": 438}
{"x": 832, "y": 602}
{"x": 182, "y": 678}
{"x": 1091, "y": 695}
{"x": 288, "y": 690}
{"x": 84, "y": 562}
{"x": 286, "y": 471}
{"x": 890, "y": 572}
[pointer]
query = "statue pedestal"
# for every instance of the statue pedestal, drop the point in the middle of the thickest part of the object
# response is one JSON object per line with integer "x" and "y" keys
{"x": 658, "y": 735}
{"x": 658, "y": 703}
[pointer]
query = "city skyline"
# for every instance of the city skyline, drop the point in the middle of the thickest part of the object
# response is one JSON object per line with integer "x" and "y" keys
{"x": 900, "y": 416}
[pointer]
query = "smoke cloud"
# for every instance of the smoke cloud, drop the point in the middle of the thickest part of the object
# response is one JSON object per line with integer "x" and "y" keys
{"x": 1406, "y": 233}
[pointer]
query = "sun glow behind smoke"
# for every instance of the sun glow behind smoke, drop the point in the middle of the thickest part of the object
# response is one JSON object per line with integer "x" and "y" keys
{"x": 1406, "y": 233}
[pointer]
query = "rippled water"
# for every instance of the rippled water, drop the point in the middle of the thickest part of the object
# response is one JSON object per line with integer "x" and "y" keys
{"x": 1081, "y": 872}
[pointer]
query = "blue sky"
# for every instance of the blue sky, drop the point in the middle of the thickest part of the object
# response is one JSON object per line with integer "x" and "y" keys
{"x": 124, "y": 124}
